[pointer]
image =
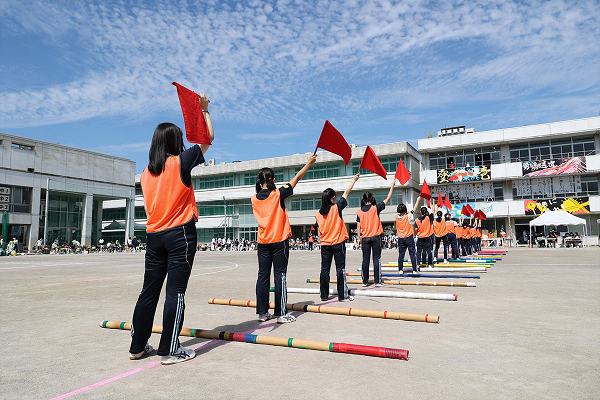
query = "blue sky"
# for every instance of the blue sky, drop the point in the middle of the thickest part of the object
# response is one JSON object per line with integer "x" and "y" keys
{"x": 97, "y": 74}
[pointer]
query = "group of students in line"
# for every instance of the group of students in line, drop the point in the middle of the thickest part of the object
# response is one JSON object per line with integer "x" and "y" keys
{"x": 171, "y": 238}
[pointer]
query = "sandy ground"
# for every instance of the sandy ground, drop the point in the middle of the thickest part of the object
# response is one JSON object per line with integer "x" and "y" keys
{"x": 530, "y": 329}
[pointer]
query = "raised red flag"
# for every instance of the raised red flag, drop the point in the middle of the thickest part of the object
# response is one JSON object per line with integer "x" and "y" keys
{"x": 447, "y": 203}
{"x": 196, "y": 130}
{"x": 332, "y": 140}
{"x": 425, "y": 193}
{"x": 482, "y": 215}
{"x": 402, "y": 173}
{"x": 371, "y": 162}
{"x": 465, "y": 211}
{"x": 471, "y": 211}
{"x": 440, "y": 203}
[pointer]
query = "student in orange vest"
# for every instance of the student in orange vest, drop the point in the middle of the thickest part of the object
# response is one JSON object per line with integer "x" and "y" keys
{"x": 405, "y": 229}
{"x": 369, "y": 233}
{"x": 171, "y": 239}
{"x": 311, "y": 241}
{"x": 424, "y": 236}
{"x": 466, "y": 237}
{"x": 333, "y": 234}
{"x": 273, "y": 247}
{"x": 440, "y": 230}
{"x": 452, "y": 236}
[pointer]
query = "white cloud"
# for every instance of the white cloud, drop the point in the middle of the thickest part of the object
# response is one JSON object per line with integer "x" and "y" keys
{"x": 279, "y": 63}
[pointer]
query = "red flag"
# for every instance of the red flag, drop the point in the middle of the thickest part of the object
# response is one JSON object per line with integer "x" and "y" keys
{"x": 440, "y": 203}
{"x": 312, "y": 228}
{"x": 447, "y": 203}
{"x": 402, "y": 173}
{"x": 425, "y": 193}
{"x": 371, "y": 162}
{"x": 332, "y": 140}
{"x": 471, "y": 211}
{"x": 428, "y": 204}
{"x": 196, "y": 130}
{"x": 476, "y": 214}
{"x": 482, "y": 215}
{"x": 465, "y": 211}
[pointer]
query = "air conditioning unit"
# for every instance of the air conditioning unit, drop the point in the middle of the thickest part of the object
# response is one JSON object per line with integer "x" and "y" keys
{"x": 211, "y": 161}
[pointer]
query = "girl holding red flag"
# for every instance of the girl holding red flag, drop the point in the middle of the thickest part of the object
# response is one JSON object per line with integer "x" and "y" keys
{"x": 333, "y": 234}
{"x": 171, "y": 238}
{"x": 273, "y": 246}
{"x": 440, "y": 229}
{"x": 369, "y": 233}
{"x": 424, "y": 236}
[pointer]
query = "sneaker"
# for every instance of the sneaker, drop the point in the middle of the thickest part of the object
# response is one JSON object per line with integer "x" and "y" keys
{"x": 430, "y": 266}
{"x": 401, "y": 272}
{"x": 380, "y": 284}
{"x": 181, "y": 355}
{"x": 349, "y": 298}
{"x": 365, "y": 284}
{"x": 264, "y": 317}
{"x": 284, "y": 319}
{"x": 147, "y": 350}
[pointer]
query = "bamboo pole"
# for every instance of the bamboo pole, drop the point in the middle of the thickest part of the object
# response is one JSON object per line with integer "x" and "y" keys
{"x": 434, "y": 269}
{"x": 335, "y": 310}
{"x": 441, "y": 265}
{"x": 375, "y": 351}
{"x": 409, "y": 283}
{"x": 420, "y": 275}
{"x": 379, "y": 293}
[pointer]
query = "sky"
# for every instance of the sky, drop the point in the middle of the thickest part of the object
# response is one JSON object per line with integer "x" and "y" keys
{"x": 97, "y": 75}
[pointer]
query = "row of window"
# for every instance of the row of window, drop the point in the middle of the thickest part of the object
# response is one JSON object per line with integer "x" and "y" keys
{"x": 465, "y": 158}
{"x": 552, "y": 149}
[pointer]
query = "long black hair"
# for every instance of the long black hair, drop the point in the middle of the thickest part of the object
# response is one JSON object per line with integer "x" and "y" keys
{"x": 328, "y": 194}
{"x": 402, "y": 209}
{"x": 368, "y": 198}
{"x": 167, "y": 140}
{"x": 265, "y": 175}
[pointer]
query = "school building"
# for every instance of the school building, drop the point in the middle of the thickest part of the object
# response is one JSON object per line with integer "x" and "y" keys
{"x": 53, "y": 191}
{"x": 515, "y": 174}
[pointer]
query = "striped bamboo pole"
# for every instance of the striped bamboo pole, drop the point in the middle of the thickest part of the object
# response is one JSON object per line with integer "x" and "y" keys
{"x": 378, "y": 293}
{"x": 492, "y": 252}
{"x": 434, "y": 269}
{"x": 375, "y": 351}
{"x": 408, "y": 283}
{"x": 442, "y": 265}
{"x": 335, "y": 310}
{"x": 420, "y": 275}
{"x": 465, "y": 260}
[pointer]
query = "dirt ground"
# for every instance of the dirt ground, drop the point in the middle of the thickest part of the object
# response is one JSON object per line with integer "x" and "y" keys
{"x": 530, "y": 329}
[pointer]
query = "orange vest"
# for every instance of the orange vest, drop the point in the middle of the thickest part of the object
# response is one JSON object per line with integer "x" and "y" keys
{"x": 478, "y": 232}
{"x": 467, "y": 232}
{"x": 403, "y": 227}
{"x": 424, "y": 228}
{"x": 332, "y": 229}
{"x": 370, "y": 224}
{"x": 273, "y": 222}
{"x": 168, "y": 201}
{"x": 439, "y": 228}
{"x": 450, "y": 227}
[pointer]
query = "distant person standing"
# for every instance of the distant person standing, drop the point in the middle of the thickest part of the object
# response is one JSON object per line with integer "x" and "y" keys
{"x": 171, "y": 239}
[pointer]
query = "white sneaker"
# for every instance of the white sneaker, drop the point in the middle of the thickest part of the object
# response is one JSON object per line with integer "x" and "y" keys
{"x": 380, "y": 284}
{"x": 284, "y": 319}
{"x": 349, "y": 298}
{"x": 147, "y": 350}
{"x": 181, "y": 355}
{"x": 264, "y": 317}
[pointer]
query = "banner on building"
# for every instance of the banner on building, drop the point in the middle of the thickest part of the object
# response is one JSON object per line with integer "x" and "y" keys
{"x": 574, "y": 205}
{"x": 573, "y": 165}
{"x": 486, "y": 207}
{"x": 467, "y": 174}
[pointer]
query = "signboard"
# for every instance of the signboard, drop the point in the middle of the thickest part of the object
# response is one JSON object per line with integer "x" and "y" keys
{"x": 573, "y": 165}
{"x": 467, "y": 174}
{"x": 4, "y": 207}
{"x": 4, "y": 190}
{"x": 547, "y": 187}
{"x": 574, "y": 205}
{"x": 4, "y": 198}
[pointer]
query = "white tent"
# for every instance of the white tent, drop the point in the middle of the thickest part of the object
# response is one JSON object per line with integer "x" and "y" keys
{"x": 556, "y": 218}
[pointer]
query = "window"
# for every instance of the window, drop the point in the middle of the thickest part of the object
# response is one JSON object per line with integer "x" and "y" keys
{"x": 207, "y": 209}
{"x": 211, "y": 182}
{"x": 305, "y": 204}
{"x": 519, "y": 153}
{"x": 109, "y": 214}
{"x": 562, "y": 149}
{"x": 138, "y": 190}
{"x": 583, "y": 147}
{"x": 140, "y": 213}
{"x": 321, "y": 171}
{"x": 498, "y": 190}
{"x": 21, "y": 146}
{"x": 589, "y": 185}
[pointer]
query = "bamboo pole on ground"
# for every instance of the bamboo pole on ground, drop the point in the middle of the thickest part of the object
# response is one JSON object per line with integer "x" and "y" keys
{"x": 378, "y": 293}
{"x": 335, "y": 310}
{"x": 375, "y": 351}
{"x": 441, "y": 265}
{"x": 434, "y": 269}
{"x": 420, "y": 275}
{"x": 408, "y": 283}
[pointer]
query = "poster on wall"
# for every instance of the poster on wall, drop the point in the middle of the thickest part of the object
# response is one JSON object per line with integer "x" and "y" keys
{"x": 573, "y": 165}
{"x": 479, "y": 190}
{"x": 467, "y": 174}
{"x": 574, "y": 205}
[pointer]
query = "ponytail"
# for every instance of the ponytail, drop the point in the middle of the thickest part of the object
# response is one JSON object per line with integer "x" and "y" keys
{"x": 328, "y": 194}
{"x": 368, "y": 199}
{"x": 265, "y": 175}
